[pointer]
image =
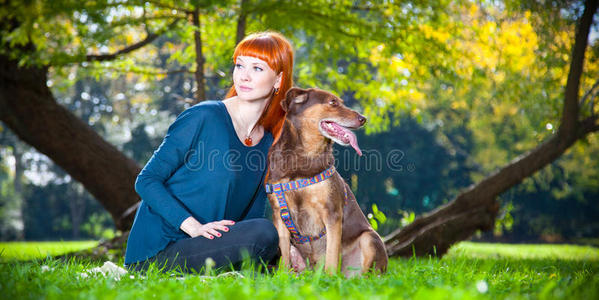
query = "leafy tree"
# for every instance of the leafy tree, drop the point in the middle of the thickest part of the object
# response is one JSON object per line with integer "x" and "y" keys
{"x": 102, "y": 37}
{"x": 391, "y": 58}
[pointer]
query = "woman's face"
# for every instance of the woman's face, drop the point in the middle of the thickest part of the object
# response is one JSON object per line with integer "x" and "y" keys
{"x": 254, "y": 79}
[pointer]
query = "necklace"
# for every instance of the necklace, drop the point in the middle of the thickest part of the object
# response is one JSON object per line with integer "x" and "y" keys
{"x": 248, "y": 139}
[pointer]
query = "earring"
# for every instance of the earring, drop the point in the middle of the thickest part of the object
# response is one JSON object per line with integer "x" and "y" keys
{"x": 276, "y": 91}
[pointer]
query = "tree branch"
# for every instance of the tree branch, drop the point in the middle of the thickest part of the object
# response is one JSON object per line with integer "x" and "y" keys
{"x": 592, "y": 105}
{"x": 164, "y": 5}
{"x": 476, "y": 208}
{"x": 149, "y": 38}
{"x": 147, "y": 72}
{"x": 589, "y": 92}
{"x": 589, "y": 125}
{"x": 144, "y": 19}
{"x": 571, "y": 108}
{"x": 329, "y": 26}
{"x": 590, "y": 96}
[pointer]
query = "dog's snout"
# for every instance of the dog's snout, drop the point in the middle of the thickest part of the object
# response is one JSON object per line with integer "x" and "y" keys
{"x": 361, "y": 119}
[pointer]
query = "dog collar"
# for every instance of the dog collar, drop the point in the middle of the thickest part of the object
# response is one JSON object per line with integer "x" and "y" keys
{"x": 279, "y": 190}
{"x": 300, "y": 183}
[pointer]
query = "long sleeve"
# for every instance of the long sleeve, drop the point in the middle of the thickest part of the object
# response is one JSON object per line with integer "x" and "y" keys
{"x": 193, "y": 173}
{"x": 258, "y": 206}
{"x": 170, "y": 156}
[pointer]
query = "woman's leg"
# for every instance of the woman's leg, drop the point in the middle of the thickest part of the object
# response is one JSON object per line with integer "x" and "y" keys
{"x": 256, "y": 237}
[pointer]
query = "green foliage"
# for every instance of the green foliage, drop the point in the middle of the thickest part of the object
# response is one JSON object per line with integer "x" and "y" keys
{"x": 96, "y": 226}
{"x": 470, "y": 271}
{"x": 407, "y": 218}
{"x": 376, "y": 217}
{"x": 505, "y": 221}
{"x": 341, "y": 45}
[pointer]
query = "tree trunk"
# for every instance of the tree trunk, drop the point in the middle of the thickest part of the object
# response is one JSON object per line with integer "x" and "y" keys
{"x": 28, "y": 108}
{"x": 199, "y": 74}
{"x": 241, "y": 22}
{"x": 476, "y": 208}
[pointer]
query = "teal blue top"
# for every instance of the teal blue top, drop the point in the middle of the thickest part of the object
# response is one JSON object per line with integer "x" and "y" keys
{"x": 201, "y": 169}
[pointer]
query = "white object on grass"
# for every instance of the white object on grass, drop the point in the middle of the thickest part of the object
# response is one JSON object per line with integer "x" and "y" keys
{"x": 482, "y": 286}
{"x": 46, "y": 268}
{"x": 108, "y": 269}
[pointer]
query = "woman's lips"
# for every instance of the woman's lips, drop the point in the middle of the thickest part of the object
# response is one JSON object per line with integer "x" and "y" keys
{"x": 245, "y": 88}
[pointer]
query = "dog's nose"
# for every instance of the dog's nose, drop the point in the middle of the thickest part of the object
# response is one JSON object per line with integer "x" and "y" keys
{"x": 362, "y": 119}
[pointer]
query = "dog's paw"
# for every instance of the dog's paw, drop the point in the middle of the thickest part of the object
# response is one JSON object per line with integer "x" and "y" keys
{"x": 297, "y": 261}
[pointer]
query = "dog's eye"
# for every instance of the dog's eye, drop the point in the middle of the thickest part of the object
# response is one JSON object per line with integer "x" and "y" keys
{"x": 333, "y": 102}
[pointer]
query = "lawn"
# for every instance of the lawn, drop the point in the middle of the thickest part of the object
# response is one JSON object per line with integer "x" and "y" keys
{"x": 469, "y": 271}
{"x": 31, "y": 250}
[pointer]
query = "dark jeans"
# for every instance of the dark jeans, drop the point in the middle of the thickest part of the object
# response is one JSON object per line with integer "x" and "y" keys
{"x": 256, "y": 237}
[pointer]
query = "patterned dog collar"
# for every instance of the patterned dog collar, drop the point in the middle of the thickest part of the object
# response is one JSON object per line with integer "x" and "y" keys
{"x": 279, "y": 190}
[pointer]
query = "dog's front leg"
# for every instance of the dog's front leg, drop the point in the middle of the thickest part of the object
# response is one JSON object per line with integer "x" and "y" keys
{"x": 333, "y": 224}
{"x": 284, "y": 238}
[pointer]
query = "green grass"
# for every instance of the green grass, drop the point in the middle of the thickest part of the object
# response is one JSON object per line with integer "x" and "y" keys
{"x": 524, "y": 251}
{"x": 469, "y": 271}
{"x": 31, "y": 250}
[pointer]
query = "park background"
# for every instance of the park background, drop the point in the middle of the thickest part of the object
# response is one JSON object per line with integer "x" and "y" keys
{"x": 452, "y": 91}
{"x": 481, "y": 118}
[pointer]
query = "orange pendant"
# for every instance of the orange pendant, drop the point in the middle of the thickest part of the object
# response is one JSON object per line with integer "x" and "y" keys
{"x": 248, "y": 141}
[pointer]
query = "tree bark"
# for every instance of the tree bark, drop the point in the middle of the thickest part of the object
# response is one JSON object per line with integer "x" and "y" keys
{"x": 241, "y": 22}
{"x": 476, "y": 208}
{"x": 28, "y": 108}
{"x": 199, "y": 73}
{"x": 571, "y": 105}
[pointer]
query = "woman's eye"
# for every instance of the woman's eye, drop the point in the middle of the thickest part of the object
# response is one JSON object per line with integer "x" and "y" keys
{"x": 258, "y": 69}
{"x": 238, "y": 66}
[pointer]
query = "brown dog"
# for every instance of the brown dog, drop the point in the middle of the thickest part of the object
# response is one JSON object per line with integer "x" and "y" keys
{"x": 316, "y": 118}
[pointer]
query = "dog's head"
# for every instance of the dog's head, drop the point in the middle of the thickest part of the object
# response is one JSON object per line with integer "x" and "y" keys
{"x": 321, "y": 111}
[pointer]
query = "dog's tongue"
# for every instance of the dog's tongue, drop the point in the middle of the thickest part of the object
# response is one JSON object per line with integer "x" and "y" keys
{"x": 348, "y": 136}
{"x": 353, "y": 141}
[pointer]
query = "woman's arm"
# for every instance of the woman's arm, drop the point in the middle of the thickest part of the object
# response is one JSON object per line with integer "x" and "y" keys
{"x": 169, "y": 157}
{"x": 258, "y": 206}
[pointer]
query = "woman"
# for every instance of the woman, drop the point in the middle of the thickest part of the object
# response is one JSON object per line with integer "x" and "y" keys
{"x": 203, "y": 189}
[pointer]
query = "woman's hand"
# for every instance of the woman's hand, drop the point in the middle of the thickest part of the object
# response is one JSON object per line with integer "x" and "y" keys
{"x": 193, "y": 228}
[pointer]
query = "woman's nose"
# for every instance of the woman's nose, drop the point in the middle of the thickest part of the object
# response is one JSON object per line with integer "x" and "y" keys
{"x": 245, "y": 76}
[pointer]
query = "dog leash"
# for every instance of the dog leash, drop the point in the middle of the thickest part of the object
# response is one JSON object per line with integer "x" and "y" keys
{"x": 279, "y": 190}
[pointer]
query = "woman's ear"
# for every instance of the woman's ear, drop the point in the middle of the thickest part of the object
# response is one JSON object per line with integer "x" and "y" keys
{"x": 294, "y": 96}
{"x": 278, "y": 81}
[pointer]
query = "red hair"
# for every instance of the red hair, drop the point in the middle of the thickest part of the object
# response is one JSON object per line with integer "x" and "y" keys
{"x": 276, "y": 51}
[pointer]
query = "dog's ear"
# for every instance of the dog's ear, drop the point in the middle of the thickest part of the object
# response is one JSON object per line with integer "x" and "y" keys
{"x": 294, "y": 96}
